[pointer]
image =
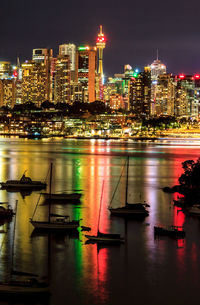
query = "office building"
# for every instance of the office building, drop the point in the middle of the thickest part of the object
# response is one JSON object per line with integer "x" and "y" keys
{"x": 34, "y": 82}
{"x": 140, "y": 93}
{"x": 5, "y": 70}
{"x": 70, "y": 50}
{"x": 86, "y": 63}
{"x": 62, "y": 79}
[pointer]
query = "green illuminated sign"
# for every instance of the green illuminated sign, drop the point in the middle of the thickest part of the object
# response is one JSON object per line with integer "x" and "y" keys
{"x": 82, "y": 48}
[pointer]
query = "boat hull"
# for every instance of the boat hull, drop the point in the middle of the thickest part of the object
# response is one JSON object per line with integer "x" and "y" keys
{"x": 58, "y": 197}
{"x": 167, "y": 232}
{"x": 55, "y": 226}
{"x": 128, "y": 212}
{"x": 17, "y": 290}
{"x": 22, "y": 186}
{"x": 99, "y": 239}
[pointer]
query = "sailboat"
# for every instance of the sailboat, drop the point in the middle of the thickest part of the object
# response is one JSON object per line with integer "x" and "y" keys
{"x": 104, "y": 237}
{"x": 29, "y": 286}
{"x": 137, "y": 209}
{"x": 55, "y": 221}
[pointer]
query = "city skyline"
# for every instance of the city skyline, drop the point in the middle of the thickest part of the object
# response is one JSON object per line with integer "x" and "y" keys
{"x": 134, "y": 31}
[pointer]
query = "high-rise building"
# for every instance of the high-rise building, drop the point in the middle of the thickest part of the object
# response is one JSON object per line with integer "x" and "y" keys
{"x": 140, "y": 93}
{"x": 157, "y": 68}
{"x": 62, "y": 79}
{"x": 86, "y": 63}
{"x": 186, "y": 105}
{"x": 165, "y": 95}
{"x": 7, "y": 92}
{"x": 34, "y": 82}
{"x": 44, "y": 56}
{"x": 5, "y": 70}
{"x": 69, "y": 49}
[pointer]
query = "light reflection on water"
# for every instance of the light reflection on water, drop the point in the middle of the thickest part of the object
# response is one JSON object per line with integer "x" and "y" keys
{"x": 87, "y": 274}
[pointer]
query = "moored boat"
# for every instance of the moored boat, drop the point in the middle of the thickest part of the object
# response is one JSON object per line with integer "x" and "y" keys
{"x": 6, "y": 212}
{"x": 22, "y": 287}
{"x": 63, "y": 196}
{"x": 23, "y": 183}
{"x": 137, "y": 210}
{"x": 104, "y": 237}
{"x": 195, "y": 210}
{"x": 173, "y": 231}
{"x": 54, "y": 221}
{"x": 58, "y": 222}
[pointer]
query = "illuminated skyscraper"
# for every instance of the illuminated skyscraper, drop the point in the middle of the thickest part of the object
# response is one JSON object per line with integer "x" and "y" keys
{"x": 186, "y": 105}
{"x": 165, "y": 95}
{"x": 7, "y": 92}
{"x": 140, "y": 93}
{"x": 69, "y": 49}
{"x": 86, "y": 63}
{"x": 34, "y": 82}
{"x": 157, "y": 68}
{"x": 62, "y": 79}
{"x": 44, "y": 56}
{"x": 5, "y": 70}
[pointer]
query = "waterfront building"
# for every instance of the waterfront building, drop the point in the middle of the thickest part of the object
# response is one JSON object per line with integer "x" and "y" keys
{"x": 86, "y": 63}
{"x": 5, "y": 70}
{"x": 62, "y": 79}
{"x": 35, "y": 84}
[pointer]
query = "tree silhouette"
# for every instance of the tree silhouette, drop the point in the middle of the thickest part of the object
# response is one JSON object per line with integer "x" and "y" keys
{"x": 190, "y": 179}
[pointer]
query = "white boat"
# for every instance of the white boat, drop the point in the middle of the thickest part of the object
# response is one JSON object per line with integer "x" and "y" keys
{"x": 104, "y": 237}
{"x": 22, "y": 286}
{"x": 23, "y": 183}
{"x": 55, "y": 221}
{"x": 137, "y": 209}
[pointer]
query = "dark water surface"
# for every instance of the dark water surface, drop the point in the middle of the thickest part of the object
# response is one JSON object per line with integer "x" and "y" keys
{"x": 143, "y": 270}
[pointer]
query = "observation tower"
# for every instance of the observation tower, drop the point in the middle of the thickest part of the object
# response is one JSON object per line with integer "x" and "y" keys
{"x": 101, "y": 44}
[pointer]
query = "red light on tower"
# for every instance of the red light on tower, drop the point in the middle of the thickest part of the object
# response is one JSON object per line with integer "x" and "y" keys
{"x": 15, "y": 74}
{"x": 181, "y": 76}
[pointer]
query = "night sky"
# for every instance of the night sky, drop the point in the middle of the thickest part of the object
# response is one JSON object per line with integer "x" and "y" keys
{"x": 134, "y": 30}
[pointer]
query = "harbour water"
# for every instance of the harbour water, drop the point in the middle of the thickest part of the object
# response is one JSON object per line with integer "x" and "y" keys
{"x": 143, "y": 270}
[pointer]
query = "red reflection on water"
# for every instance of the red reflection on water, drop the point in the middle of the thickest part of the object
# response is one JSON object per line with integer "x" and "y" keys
{"x": 102, "y": 255}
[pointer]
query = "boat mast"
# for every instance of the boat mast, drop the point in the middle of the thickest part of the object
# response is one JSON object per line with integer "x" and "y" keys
{"x": 50, "y": 181}
{"x": 13, "y": 243}
{"x": 126, "y": 196}
{"x": 100, "y": 208}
